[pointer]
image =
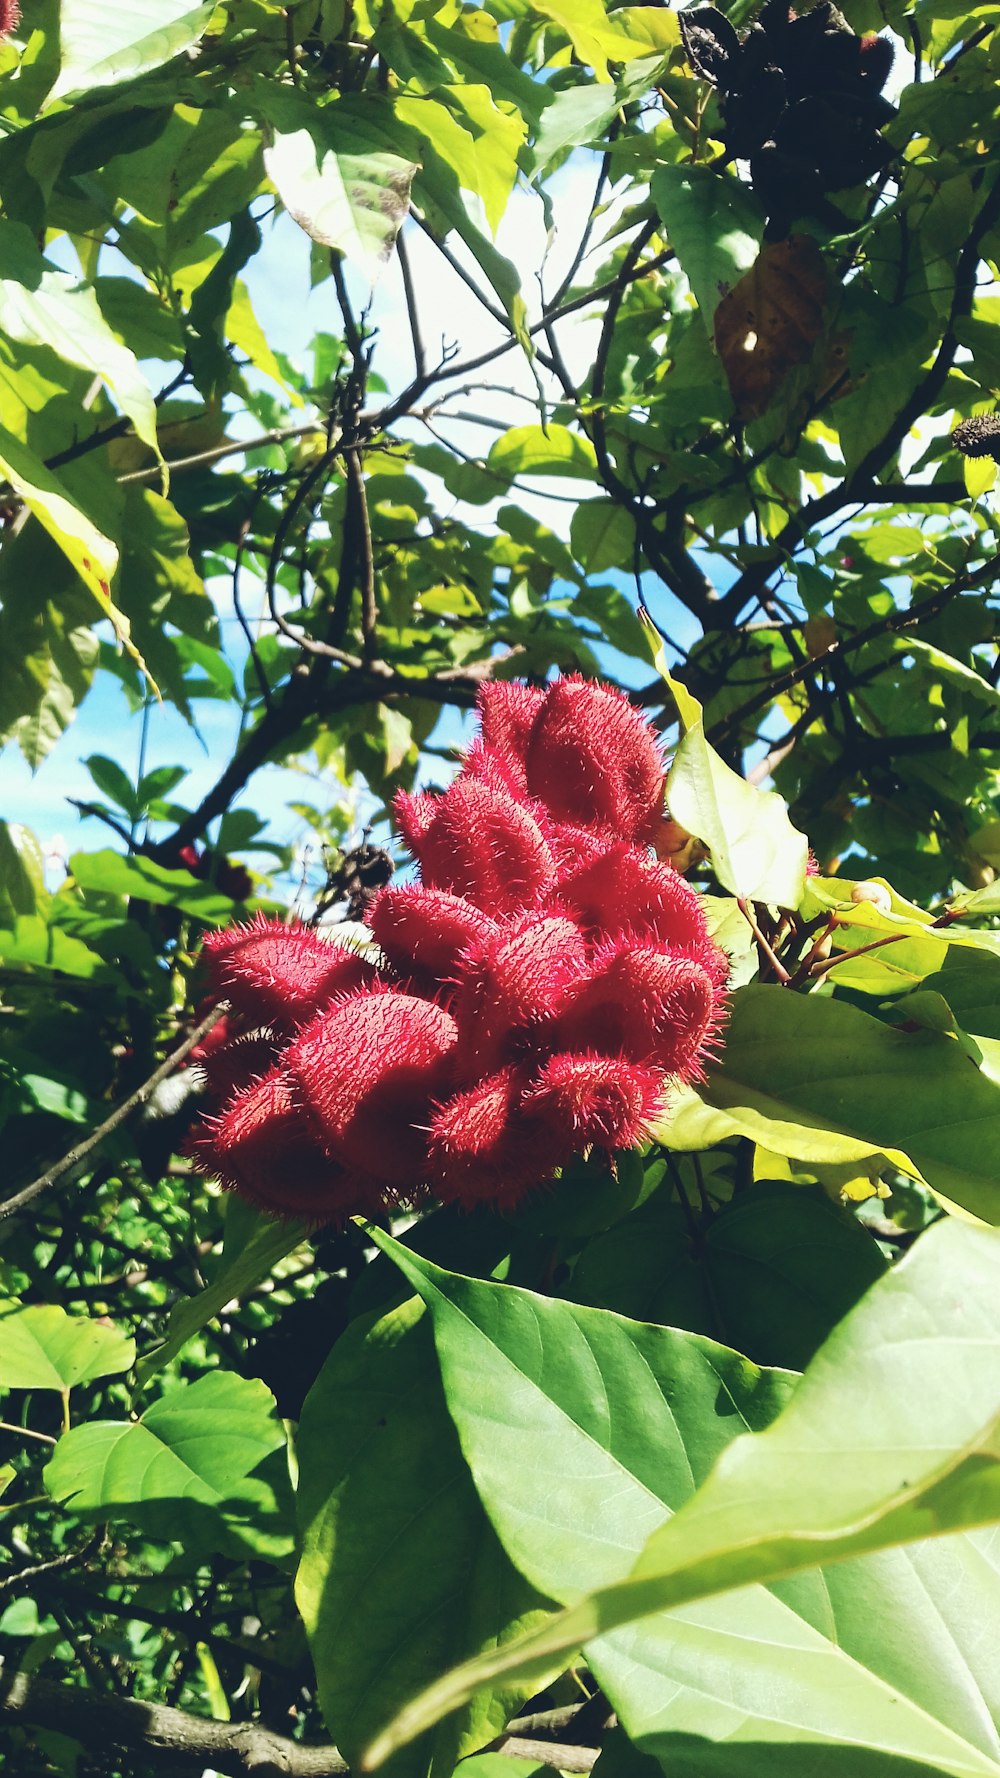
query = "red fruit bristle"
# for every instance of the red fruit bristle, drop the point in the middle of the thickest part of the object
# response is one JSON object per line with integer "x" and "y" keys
{"x": 592, "y": 759}
{"x": 512, "y": 981}
{"x": 605, "y": 1101}
{"x": 485, "y": 846}
{"x": 426, "y": 929}
{"x": 626, "y": 892}
{"x": 483, "y": 1147}
{"x": 281, "y": 975}
{"x": 264, "y": 1147}
{"x": 368, "y": 1070}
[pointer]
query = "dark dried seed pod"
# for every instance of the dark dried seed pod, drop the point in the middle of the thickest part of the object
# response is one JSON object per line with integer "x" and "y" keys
{"x": 979, "y": 437}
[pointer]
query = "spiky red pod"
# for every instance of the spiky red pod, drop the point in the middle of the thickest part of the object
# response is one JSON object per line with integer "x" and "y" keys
{"x": 281, "y": 975}
{"x": 482, "y": 844}
{"x": 593, "y": 760}
{"x": 624, "y": 892}
{"x": 426, "y": 929}
{"x": 511, "y": 982}
{"x": 597, "y": 1101}
{"x": 367, "y": 1071}
{"x": 646, "y": 1004}
{"x": 414, "y": 815}
{"x": 484, "y": 1147}
{"x": 507, "y": 714}
{"x": 10, "y": 17}
{"x": 264, "y": 1147}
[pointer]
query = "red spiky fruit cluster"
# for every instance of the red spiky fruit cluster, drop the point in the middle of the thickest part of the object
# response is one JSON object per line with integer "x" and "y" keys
{"x": 537, "y": 992}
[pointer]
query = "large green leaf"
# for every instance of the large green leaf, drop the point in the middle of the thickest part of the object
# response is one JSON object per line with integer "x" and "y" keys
{"x": 756, "y": 853}
{"x": 892, "y": 1435}
{"x": 714, "y": 226}
{"x": 41, "y": 1347}
{"x": 102, "y": 45}
{"x": 574, "y": 1487}
{"x": 401, "y": 1571}
{"x": 796, "y": 1062}
{"x": 40, "y": 306}
{"x": 192, "y": 1467}
{"x": 771, "y": 1274}
{"x": 345, "y": 192}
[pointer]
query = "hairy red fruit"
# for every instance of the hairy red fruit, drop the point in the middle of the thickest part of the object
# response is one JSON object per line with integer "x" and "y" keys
{"x": 592, "y": 759}
{"x": 414, "y": 815}
{"x": 623, "y": 892}
{"x": 507, "y": 713}
{"x": 513, "y": 981}
{"x": 649, "y": 1005}
{"x": 10, "y": 16}
{"x": 597, "y": 1101}
{"x": 483, "y": 1148}
{"x": 482, "y": 844}
{"x": 368, "y": 1070}
{"x": 264, "y": 1147}
{"x": 427, "y": 929}
{"x": 281, "y": 975}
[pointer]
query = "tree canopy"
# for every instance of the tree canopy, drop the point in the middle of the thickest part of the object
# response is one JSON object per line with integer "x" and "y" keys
{"x": 382, "y": 1459}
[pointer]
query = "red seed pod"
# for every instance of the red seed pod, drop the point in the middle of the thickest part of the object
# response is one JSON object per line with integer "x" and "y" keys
{"x": 597, "y": 1101}
{"x": 507, "y": 713}
{"x": 482, "y": 844}
{"x": 484, "y": 1148}
{"x": 235, "y": 1065}
{"x": 281, "y": 975}
{"x": 592, "y": 759}
{"x": 264, "y": 1147}
{"x": 10, "y": 17}
{"x": 414, "y": 815}
{"x": 511, "y": 982}
{"x": 647, "y": 1004}
{"x": 426, "y": 929}
{"x": 623, "y": 892}
{"x": 368, "y": 1070}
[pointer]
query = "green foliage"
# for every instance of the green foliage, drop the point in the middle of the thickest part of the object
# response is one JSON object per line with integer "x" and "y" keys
{"x": 350, "y": 353}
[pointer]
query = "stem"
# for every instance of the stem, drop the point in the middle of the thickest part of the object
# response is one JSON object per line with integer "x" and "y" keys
{"x": 117, "y": 1118}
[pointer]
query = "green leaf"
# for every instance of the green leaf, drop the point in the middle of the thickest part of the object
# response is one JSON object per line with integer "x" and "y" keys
{"x": 395, "y": 1543}
{"x": 812, "y": 1064}
{"x": 481, "y": 146}
{"x": 602, "y": 535}
{"x": 595, "y": 37}
{"x": 33, "y": 942}
{"x": 101, "y": 47}
{"x": 857, "y": 1462}
{"x": 771, "y": 1276}
{"x": 566, "y": 1459}
{"x": 343, "y": 194}
{"x": 41, "y": 1347}
{"x": 113, "y": 782}
{"x": 536, "y": 450}
{"x": 269, "y": 1242}
{"x": 714, "y": 226}
{"x": 22, "y": 872}
{"x": 191, "y": 1448}
{"x": 41, "y": 306}
{"x": 143, "y": 880}
{"x": 756, "y": 853}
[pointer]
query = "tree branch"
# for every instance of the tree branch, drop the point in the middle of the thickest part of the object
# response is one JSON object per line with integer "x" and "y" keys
{"x": 238, "y": 1750}
{"x": 118, "y": 1116}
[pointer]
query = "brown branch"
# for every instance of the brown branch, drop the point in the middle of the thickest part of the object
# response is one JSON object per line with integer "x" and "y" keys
{"x": 190, "y": 1743}
{"x": 161, "y": 1734}
{"x": 894, "y": 624}
{"x": 117, "y": 1118}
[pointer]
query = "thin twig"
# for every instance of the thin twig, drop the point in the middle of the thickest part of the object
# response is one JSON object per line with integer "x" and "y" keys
{"x": 116, "y": 1119}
